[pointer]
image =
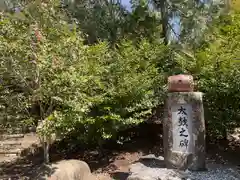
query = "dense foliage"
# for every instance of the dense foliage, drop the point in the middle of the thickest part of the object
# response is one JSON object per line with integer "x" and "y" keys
{"x": 90, "y": 90}
{"x": 95, "y": 88}
{"x": 219, "y": 79}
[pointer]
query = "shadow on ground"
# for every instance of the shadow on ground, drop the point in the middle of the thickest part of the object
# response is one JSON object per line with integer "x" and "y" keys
{"x": 23, "y": 167}
{"x": 116, "y": 159}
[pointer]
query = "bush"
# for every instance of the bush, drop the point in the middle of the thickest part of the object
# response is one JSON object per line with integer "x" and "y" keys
{"x": 89, "y": 92}
{"x": 221, "y": 82}
{"x": 92, "y": 92}
{"x": 216, "y": 68}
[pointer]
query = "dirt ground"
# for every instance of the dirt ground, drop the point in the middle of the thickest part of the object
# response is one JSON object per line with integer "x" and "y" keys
{"x": 27, "y": 142}
{"x": 115, "y": 163}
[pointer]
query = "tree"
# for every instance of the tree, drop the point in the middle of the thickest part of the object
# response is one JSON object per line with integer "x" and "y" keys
{"x": 88, "y": 92}
{"x": 216, "y": 68}
{"x": 194, "y": 19}
{"x": 99, "y": 20}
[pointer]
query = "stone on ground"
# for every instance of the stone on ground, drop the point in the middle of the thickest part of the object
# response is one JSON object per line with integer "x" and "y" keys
{"x": 68, "y": 170}
{"x": 141, "y": 172}
{"x": 152, "y": 168}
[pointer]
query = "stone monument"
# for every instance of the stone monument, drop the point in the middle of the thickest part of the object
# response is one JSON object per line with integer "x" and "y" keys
{"x": 184, "y": 126}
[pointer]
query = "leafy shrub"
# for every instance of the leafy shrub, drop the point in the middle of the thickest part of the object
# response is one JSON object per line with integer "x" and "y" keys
{"x": 89, "y": 92}
{"x": 221, "y": 80}
{"x": 216, "y": 68}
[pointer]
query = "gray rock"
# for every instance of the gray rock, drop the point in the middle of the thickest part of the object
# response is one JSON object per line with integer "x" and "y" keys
{"x": 139, "y": 171}
{"x": 152, "y": 161}
{"x": 67, "y": 170}
{"x": 152, "y": 156}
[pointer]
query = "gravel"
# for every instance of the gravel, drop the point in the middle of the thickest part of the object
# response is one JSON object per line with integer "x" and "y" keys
{"x": 150, "y": 170}
{"x": 215, "y": 172}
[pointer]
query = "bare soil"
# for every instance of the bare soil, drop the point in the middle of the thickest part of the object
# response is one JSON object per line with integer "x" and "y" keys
{"x": 117, "y": 158}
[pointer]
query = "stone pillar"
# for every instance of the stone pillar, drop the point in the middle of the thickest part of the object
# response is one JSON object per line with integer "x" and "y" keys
{"x": 184, "y": 126}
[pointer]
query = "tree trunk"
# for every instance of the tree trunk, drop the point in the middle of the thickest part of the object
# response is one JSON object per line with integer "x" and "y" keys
{"x": 46, "y": 151}
{"x": 164, "y": 15}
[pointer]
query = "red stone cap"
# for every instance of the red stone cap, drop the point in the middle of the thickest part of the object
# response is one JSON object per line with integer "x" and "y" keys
{"x": 180, "y": 83}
